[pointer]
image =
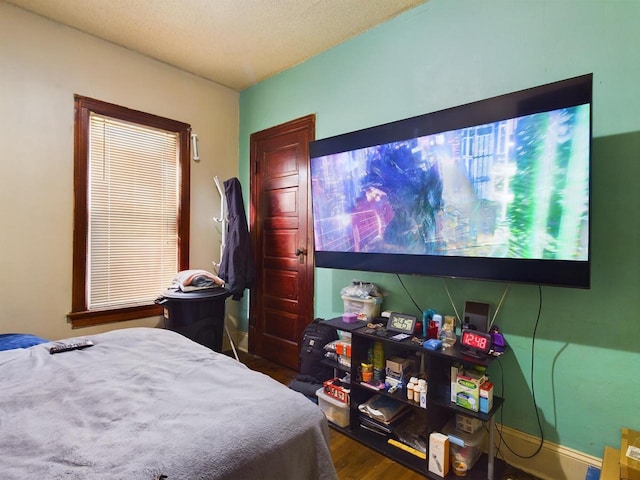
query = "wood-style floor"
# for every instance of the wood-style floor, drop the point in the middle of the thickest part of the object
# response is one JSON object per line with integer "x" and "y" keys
{"x": 354, "y": 461}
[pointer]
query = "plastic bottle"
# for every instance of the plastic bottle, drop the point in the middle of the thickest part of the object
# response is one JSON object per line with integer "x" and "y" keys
{"x": 410, "y": 388}
{"x": 378, "y": 355}
{"x": 438, "y": 320}
{"x": 423, "y": 396}
{"x": 448, "y": 336}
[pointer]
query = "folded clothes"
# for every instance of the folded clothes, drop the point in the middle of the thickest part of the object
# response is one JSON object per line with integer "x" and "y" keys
{"x": 190, "y": 280}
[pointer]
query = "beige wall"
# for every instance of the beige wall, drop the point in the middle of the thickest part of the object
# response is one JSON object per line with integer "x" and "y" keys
{"x": 42, "y": 65}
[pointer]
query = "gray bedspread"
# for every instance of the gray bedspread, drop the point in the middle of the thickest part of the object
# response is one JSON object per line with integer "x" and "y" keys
{"x": 145, "y": 403}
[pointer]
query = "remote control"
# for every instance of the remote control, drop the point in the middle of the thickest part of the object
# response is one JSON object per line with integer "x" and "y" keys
{"x": 65, "y": 347}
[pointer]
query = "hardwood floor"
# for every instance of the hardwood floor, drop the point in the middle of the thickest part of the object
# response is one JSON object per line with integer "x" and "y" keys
{"x": 354, "y": 461}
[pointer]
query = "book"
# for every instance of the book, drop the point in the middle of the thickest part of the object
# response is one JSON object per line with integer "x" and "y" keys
{"x": 382, "y": 408}
{"x": 383, "y": 427}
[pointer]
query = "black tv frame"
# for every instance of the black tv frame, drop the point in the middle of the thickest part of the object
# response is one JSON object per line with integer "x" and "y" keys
{"x": 556, "y": 95}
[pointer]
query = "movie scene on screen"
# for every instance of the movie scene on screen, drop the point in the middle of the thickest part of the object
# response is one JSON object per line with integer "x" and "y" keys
{"x": 515, "y": 188}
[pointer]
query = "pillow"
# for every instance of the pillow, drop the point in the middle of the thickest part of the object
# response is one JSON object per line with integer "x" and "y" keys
{"x": 9, "y": 341}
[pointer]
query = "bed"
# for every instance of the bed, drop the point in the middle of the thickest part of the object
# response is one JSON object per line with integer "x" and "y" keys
{"x": 148, "y": 403}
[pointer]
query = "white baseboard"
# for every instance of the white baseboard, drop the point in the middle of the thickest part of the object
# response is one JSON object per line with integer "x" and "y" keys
{"x": 553, "y": 462}
{"x": 240, "y": 338}
{"x": 243, "y": 341}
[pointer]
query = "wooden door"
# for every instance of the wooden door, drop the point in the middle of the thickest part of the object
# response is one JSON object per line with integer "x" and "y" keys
{"x": 282, "y": 234}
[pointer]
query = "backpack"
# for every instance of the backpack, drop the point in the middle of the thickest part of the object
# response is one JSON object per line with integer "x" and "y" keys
{"x": 314, "y": 337}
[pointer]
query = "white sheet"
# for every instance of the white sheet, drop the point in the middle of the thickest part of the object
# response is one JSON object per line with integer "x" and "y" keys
{"x": 147, "y": 402}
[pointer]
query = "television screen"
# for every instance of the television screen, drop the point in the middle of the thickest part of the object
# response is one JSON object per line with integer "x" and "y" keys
{"x": 496, "y": 189}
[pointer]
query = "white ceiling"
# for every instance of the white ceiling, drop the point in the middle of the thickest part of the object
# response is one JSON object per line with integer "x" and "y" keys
{"x": 236, "y": 43}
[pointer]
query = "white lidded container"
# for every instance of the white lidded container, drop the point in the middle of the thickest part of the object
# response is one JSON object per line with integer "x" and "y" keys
{"x": 336, "y": 411}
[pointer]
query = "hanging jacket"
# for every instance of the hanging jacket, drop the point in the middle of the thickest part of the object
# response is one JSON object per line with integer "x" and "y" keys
{"x": 236, "y": 265}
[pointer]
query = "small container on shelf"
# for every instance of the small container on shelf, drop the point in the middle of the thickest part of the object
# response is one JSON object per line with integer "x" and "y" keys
{"x": 349, "y": 317}
{"x": 448, "y": 333}
{"x": 486, "y": 397}
{"x": 367, "y": 308}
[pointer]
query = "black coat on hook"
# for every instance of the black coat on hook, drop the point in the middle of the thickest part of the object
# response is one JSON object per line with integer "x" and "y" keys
{"x": 236, "y": 265}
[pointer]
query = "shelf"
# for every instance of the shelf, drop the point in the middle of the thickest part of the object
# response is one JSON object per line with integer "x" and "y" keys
{"x": 440, "y": 409}
{"x": 455, "y": 353}
{"x": 485, "y": 417}
{"x": 399, "y": 395}
{"x": 440, "y": 401}
{"x": 403, "y": 344}
{"x": 452, "y": 353}
{"x": 335, "y": 365}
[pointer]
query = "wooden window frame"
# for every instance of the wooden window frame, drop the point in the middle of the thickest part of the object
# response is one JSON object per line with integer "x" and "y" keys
{"x": 80, "y": 315}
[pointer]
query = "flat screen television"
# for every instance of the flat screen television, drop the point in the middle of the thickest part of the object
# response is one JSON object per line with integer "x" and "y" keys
{"x": 493, "y": 190}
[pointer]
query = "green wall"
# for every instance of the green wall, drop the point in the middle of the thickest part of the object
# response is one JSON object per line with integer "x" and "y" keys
{"x": 446, "y": 53}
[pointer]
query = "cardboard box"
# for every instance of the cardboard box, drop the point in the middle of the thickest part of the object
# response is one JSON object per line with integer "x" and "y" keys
{"x": 399, "y": 368}
{"x": 468, "y": 390}
{"x": 610, "y": 464}
{"x": 334, "y": 389}
{"x": 467, "y": 424}
{"x": 439, "y": 454}
{"x": 340, "y": 347}
{"x": 630, "y": 454}
{"x": 343, "y": 348}
{"x": 486, "y": 397}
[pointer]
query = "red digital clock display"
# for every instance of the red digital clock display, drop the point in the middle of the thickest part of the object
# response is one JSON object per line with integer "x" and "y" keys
{"x": 476, "y": 340}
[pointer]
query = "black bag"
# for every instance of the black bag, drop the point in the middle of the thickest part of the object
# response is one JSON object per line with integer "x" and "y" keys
{"x": 314, "y": 337}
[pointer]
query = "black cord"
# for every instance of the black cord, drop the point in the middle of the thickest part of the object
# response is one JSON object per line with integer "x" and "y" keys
{"x": 533, "y": 390}
{"x": 407, "y": 291}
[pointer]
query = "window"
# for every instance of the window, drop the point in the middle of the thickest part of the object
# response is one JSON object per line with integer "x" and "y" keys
{"x": 131, "y": 218}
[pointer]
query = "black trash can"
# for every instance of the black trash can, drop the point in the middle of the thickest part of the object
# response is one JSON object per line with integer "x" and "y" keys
{"x": 198, "y": 315}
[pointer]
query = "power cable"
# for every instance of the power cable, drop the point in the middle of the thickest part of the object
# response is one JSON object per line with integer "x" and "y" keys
{"x": 533, "y": 390}
{"x": 409, "y": 294}
{"x": 531, "y": 372}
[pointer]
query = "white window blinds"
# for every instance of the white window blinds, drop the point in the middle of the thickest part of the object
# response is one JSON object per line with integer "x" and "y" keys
{"x": 133, "y": 206}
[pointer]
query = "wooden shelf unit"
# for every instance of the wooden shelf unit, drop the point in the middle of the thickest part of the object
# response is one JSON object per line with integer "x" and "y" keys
{"x": 439, "y": 409}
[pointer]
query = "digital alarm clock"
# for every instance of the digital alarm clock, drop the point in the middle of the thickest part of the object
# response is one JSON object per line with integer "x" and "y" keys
{"x": 401, "y": 322}
{"x": 474, "y": 341}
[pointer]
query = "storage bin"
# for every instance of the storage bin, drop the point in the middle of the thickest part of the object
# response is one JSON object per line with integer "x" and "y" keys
{"x": 368, "y": 307}
{"x": 465, "y": 447}
{"x": 336, "y": 411}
